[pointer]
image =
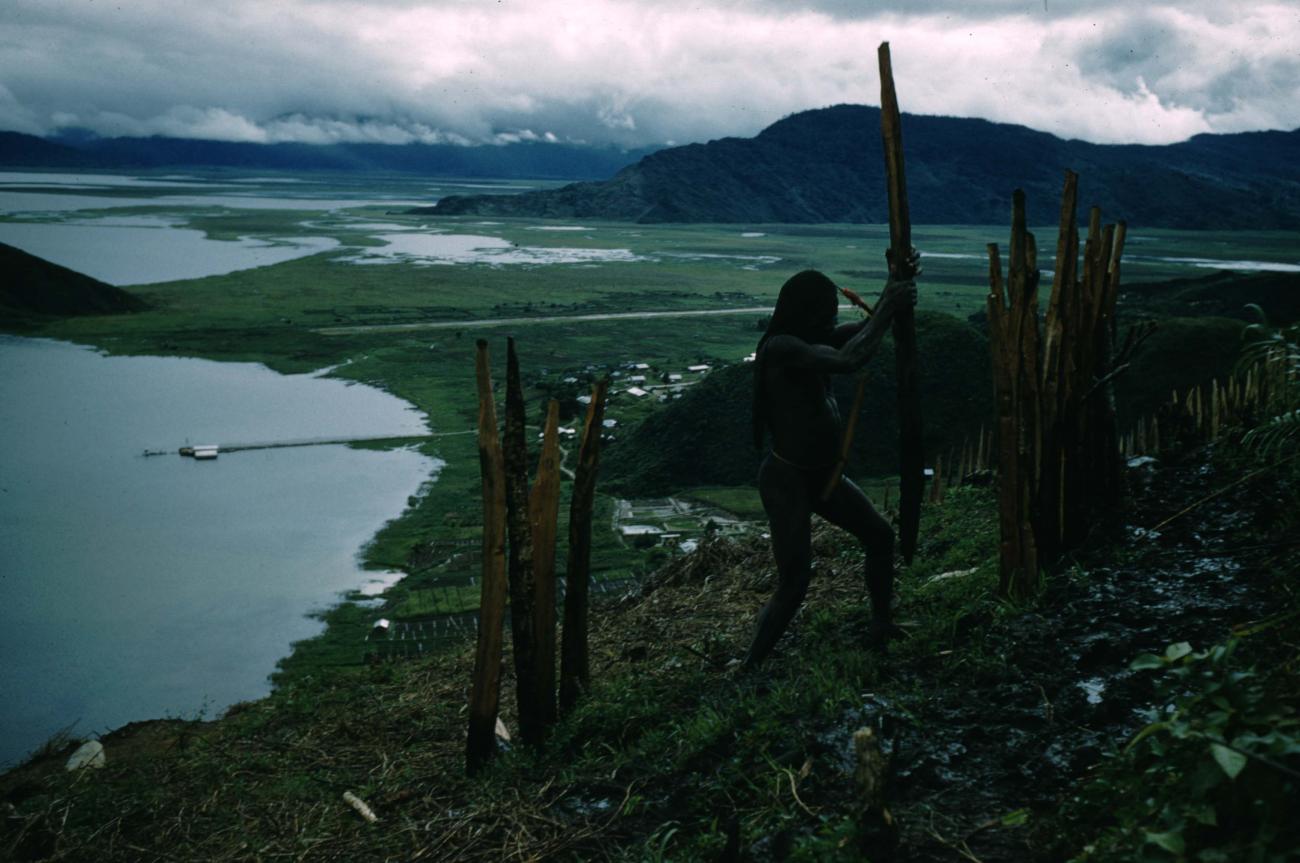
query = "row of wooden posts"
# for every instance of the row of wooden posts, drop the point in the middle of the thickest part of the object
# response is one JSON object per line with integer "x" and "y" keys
{"x": 1202, "y": 412}
{"x": 960, "y": 465}
{"x": 519, "y": 542}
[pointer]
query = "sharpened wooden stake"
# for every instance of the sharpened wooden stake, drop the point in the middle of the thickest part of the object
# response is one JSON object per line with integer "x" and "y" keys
{"x": 485, "y": 692}
{"x": 532, "y": 729}
{"x": 544, "y": 508}
{"x": 575, "y": 672}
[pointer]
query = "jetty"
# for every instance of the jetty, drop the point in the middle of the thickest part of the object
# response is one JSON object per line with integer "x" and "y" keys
{"x": 210, "y": 451}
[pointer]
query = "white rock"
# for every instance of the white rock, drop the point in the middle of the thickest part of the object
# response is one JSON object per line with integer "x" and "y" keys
{"x": 88, "y": 754}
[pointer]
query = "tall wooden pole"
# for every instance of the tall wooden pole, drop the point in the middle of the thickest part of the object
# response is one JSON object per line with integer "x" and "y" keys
{"x": 544, "y": 506}
{"x": 485, "y": 692}
{"x": 522, "y": 589}
{"x": 575, "y": 672}
{"x": 911, "y": 454}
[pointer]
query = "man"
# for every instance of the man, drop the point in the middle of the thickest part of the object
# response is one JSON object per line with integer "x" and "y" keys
{"x": 793, "y": 402}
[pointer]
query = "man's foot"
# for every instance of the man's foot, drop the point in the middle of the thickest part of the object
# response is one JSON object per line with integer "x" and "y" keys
{"x": 883, "y": 631}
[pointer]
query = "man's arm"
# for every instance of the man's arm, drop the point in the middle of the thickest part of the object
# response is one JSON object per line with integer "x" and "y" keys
{"x": 853, "y": 354}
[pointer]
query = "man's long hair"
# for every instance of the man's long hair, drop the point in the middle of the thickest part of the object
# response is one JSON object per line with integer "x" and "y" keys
{"x": 806, "y": 302}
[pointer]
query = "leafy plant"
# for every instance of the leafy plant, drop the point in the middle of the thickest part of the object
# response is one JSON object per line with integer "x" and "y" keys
{"x": 1213, "y": 775}
{"x": 1275, "y": 353}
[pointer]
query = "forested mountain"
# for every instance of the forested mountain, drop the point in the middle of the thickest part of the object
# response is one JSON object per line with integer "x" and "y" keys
{"x": 524, "y": 159}
{"x": 825, "y": 165}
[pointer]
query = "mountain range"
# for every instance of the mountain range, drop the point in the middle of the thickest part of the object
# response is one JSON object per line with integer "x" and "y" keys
{"x": 522, "y": 159}
{"x": 825, "y": 165}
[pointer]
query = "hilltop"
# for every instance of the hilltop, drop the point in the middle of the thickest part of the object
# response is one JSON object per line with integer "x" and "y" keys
{"x": 32, "y": 287}
{"x": 825, "y": 165}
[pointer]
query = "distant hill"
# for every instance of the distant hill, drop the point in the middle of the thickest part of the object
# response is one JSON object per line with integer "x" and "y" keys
{"x": 825, "y": 165}
{"x": 705, "y": 437}
{"x": 28, "y": 151}
{"x": 34, "y": 287}
{"x": 525, "y": 159}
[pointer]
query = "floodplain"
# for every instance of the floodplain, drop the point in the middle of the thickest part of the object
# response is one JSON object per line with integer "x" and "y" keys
{"x": 397, "y": 300}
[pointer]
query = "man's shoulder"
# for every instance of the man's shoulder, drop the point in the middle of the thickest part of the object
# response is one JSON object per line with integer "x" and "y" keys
{"x": 783, "y": 345}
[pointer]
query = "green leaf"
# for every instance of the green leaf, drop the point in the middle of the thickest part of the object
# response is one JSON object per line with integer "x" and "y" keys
{"x": 1146, "y": 661}
{"x": 1016, "y": 819}
{"x": 1171, "y": 841}
{"x": 1230, "y": 760}
{"x": 1175, "y": 652}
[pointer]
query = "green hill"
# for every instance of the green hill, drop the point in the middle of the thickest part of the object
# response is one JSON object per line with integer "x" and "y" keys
{"x": 32, "y": 287}
{"x": 705, "y": 439}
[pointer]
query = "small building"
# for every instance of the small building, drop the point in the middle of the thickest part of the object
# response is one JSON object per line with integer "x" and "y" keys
{"x": 698, "y": 368}
{"x": 205, "y": 453}
{"x": 636, "y": 379}
{"x": 636, "y": 391}
{"x": 609, "y": 423}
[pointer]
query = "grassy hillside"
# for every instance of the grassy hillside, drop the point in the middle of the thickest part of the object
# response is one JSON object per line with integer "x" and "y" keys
{"x": 705, "y": 438}
{"x": 1001, "y": 728}
{"x": 33, "y": 288}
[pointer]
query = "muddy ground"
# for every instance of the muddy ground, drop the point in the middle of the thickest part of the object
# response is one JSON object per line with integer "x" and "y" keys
{"x": 969, "y": 759}
{"x": 964, "y": 758}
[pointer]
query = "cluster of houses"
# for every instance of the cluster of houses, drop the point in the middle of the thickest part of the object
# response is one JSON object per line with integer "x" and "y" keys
{"x": 638, "y": 381}
{"x": 674, "y": 523}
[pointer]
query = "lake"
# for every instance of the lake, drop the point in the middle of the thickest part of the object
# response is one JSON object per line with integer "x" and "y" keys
{"x": 134, "y": 588}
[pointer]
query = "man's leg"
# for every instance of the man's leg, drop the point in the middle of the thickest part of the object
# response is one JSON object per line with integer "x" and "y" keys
{"x": 785, "y": 497}
{"x": 850, "y": 509}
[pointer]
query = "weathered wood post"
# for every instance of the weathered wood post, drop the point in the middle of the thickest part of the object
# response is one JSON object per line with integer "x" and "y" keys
{"x": 575, "y": 673}
{"x": 1058, "y": 446}
{"x": 911, "y": 454}
{"x": 485, "y": 691}
{"x": 522, "y": 578}
{"x": 1013, "y": 338}
{"x": 544, "y": 505}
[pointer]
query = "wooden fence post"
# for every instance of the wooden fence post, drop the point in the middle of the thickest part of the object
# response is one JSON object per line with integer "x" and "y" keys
{"x": 1058, "y": 446}
{"x": 522, "y": 586}
{"x": 485, "y": 692}
{"x": 575, "y": 673}
{"x": 544, "y": 505}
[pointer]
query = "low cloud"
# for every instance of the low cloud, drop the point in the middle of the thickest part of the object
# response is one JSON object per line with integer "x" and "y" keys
{"x": 636, "y": 72}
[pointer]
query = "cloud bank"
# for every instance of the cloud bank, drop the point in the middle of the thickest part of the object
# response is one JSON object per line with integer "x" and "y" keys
{"x": 636, "y": 72}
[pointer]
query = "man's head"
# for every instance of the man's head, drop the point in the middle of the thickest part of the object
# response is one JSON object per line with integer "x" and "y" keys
{"x": 806, "y": 307}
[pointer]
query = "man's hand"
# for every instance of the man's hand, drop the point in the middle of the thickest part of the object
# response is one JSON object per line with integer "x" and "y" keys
{"x": 896, "y": 295}
{"x": 901, "y": 293}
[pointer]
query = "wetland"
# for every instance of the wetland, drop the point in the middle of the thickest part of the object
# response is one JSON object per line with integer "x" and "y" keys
{"x": 244, "y": 269}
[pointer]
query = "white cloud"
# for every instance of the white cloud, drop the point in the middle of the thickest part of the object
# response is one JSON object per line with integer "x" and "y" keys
{"x": 637, "y": 71}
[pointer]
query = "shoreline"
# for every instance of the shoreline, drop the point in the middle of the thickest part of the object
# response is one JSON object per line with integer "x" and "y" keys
{"x": 372, "y": 582}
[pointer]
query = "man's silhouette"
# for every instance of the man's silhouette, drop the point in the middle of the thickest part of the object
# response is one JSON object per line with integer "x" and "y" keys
{"x": 793, "y": 403}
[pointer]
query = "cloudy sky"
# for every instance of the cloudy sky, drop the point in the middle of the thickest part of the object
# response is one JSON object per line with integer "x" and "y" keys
{"x": 638, "y": 72}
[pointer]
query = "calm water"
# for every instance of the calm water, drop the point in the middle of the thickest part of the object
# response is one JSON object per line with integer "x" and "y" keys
{"x": 133, "y": 588}
{"x": 138, "y": 250}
